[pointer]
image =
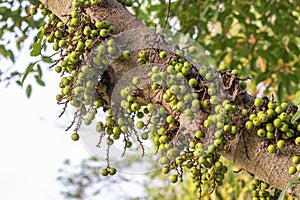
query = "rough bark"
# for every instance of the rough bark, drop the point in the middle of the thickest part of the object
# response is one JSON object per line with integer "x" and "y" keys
{"x": 247, "y": 151}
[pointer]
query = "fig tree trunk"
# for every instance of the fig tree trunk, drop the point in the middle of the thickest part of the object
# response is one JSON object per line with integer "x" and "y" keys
{"x": 247, "y": 151}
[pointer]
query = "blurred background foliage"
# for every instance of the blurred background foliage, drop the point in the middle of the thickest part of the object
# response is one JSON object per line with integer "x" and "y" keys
{"x": 15, "y": 23}
{"x": 260, "y": 38}
{"x": 82, "y": 181}
{"x": 16, "y": 28}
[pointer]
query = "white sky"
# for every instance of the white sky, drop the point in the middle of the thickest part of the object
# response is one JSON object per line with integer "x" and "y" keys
{"x": 32, "y": 144}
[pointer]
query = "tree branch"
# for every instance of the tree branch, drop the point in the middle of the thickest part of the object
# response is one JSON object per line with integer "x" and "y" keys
{"x": 247, "y": 150}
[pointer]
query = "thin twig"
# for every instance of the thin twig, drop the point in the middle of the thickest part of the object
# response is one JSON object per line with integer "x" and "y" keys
{"x": 140, "y": 142}
{"x": 168, "y": 16}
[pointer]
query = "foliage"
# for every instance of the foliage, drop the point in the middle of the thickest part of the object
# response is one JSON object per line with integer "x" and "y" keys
{"x": 259, "y": 38}
{"x": 245, "y": 39}
{"x": 85, "y": 88}
{"x": 16, "y": 24}
{"x": 13, "y": 20}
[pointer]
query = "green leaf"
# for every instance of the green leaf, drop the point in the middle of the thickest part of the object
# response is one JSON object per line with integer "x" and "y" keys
{"x": 262, "y": 76}
{"x": 11, "y": 55}
{"x": 47, "y": 60}
{"x": 280, "y": 91}
{"x": 15, "y": 73}
{"x": 93, "y": 159}
{"x": 293, "y": 47}
{"x": 36, "y": 49}
{"x": 154, "y": 8}
{"x": 20, "y": 40}
{"x": 40, "y": 34}
{"x": 39, "y": 80}
{"x": 39, "y": 70}
{"x": 19, "y": 83}
{"x": 297, "y": 102}
{"x": 7, "y": 53}
{"x": 28, "y": 91}
{"x": 28, "y": 70}
{"x": 1, "y": 32}
{"x": 296, "y": 116}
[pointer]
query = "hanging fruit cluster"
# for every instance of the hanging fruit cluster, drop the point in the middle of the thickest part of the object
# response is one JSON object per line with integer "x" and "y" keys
{"x": 184, "y": 90}
{"x": 84, "y": 52}
{"x": 176, "y": 90}
{"x": 73, "y": 41}
{"x": 278, "y": 126}
{"x": 261, "y": 190}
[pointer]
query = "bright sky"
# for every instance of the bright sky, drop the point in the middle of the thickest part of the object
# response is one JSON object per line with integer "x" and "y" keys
{"x": 33, "y": 143}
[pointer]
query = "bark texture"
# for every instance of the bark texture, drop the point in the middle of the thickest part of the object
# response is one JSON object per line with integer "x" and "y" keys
{"x": 247, "y": 151}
